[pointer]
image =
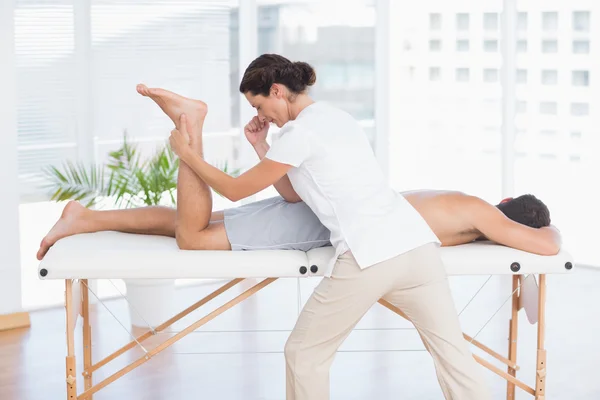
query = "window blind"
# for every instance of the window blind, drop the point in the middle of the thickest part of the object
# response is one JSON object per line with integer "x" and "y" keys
{"x": 44, "y": 44}
{"x": 180, "y": 45}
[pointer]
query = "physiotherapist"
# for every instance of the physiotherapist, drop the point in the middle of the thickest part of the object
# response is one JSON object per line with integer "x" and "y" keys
{"x": 383, "y": 247}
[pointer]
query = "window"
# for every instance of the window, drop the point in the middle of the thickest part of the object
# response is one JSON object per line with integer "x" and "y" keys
{"x": 490, "y": 21}
{"x": 580, "y": 109}
{"x": 550, "y": 21}
{"x": 522, "y": 21}
{"x": 561, "y": 98}
{"x": 580, "y": 78}
{"x": 521, "y": 76}
{"x": 581, "y": 21}
{"x": 128, "y": 42}
{"x": 490, "y": 46}
{"x": 435, "y": 45}
{"x": 581, "y": 46}
{"x": 576, "y": 135}
{"x": 47, "y": 95}
{"x": 522, "y": 46}
{"x": 521, "y": 107}
{"x": 461, "y": 124}
{"x": 360, "y": 76}
{"x": 435, "y": 73}
{"x": 549, "y": 46}
{"x": 435, "y": 21}
{"x": 548, "y": 108}
{"x": 490, "y": 75}
{"x": 335, "y": 76}
{"x": 410, "y": 72}
{"x": 462, "y": 45}
{"x": 462, "y": 74}
{"x": 345, "y": 77}
{"x": 462, "y": 22}
{"x": 549, "y": 77}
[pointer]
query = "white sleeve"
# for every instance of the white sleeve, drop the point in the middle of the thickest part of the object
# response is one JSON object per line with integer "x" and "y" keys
{"x": 291, "y": 148}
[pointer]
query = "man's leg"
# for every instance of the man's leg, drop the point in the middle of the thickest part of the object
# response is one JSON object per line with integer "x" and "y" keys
{"x": 194, "y": 197}
{"x": 424, "y": 295}
{"x": 155, "y": 220}
{"x": 190, "y": 224}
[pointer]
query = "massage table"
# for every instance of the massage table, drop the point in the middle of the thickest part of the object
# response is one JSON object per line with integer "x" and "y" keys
{"x": 114, "y": 255}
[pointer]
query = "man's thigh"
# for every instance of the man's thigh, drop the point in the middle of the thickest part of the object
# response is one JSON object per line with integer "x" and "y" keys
{"x": 213, "y": 237}
{"x": 274, "y": 224}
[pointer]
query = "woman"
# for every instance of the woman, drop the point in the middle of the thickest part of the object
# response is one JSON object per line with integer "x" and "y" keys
{"x": 384, "y": 248}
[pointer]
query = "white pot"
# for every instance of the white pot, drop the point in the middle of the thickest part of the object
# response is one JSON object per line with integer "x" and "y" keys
{"x": 151, "y": 301}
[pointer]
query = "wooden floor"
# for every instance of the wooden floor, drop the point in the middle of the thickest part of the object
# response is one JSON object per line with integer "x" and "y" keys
{"x": 239, "y": 354}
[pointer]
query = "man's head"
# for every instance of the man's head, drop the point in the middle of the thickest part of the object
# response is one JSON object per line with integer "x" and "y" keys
{"x": 527, "y": 210}
{"x": 271, "y": 84}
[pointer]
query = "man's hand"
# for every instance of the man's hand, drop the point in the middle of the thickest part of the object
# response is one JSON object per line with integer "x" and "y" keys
{"x": 256, "y": 131}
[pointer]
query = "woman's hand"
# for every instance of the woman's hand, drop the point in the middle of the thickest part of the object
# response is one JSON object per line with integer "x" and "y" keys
{"x": 256, "y": 131}
{"x": 180, "y": 139}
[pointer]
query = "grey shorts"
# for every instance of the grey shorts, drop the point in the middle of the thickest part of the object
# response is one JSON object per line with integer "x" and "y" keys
{"x": 274, "y": 224}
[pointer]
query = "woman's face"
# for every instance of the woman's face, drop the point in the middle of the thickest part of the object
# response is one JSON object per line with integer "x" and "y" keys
{"x": 273, "y": 108}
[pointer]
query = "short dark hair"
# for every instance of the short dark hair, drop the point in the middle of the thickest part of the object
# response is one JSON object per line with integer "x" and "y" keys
{"x": 268, "y": 69}
{"x": 526, "y": 209}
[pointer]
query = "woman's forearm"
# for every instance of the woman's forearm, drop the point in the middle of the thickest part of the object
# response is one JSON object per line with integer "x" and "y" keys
{"x": 283, "y": 186}
{"x": 212, "y": 176}
{"x": 257, "y": 178}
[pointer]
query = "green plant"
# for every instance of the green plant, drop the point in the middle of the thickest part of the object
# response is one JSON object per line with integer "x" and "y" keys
{"x": 126, "y": 178}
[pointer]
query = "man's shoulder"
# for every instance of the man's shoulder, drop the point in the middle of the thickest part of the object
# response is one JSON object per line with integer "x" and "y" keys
{"x": 471, "y": 202}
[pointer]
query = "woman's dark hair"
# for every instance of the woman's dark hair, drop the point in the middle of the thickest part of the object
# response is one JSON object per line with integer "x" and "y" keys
{"x": 268, "y": 69}
{"x": 527, "y": 210}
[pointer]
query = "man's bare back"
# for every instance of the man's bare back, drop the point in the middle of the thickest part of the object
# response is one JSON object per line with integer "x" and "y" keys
{"x": 446, "y": 212}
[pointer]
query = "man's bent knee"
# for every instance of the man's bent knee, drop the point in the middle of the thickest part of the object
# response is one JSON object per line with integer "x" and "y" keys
{"x": 190, "y": 240}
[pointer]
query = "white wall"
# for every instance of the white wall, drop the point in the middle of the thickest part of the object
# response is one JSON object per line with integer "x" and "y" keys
{"x": 10, "y": 266}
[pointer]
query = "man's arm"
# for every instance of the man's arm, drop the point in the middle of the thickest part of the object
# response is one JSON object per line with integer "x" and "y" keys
{"x": 283, "y": 186}
{"x": 495, "y": 226}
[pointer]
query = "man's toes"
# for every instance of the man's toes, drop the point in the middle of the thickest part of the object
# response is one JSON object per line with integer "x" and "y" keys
{"x": 142, "y": 89}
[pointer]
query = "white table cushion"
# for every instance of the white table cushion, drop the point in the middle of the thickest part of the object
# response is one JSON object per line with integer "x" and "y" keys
{"x": 114, "y": 255}
{"x": 483, "y": 258}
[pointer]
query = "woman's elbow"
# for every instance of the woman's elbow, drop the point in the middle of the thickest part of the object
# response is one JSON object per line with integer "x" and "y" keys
{"x": 234, "y": 198}
{"x": 293, "y": 199}
{"x": 236, "y": 195}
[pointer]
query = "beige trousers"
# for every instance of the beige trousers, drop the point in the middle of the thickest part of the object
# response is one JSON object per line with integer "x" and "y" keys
{"x": 416, "y": 283}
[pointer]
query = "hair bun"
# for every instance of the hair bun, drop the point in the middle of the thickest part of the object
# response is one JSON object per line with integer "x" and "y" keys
{"x": 268, "y": 69}
{"x": 307, "y": 73}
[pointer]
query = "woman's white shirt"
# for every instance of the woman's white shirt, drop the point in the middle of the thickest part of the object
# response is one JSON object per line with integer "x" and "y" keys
{"x": 337, "y": 175}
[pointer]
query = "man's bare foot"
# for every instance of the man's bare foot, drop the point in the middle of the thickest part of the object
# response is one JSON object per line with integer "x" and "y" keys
{"x": 174, "y": 105}
{"x": 71, "y": 222}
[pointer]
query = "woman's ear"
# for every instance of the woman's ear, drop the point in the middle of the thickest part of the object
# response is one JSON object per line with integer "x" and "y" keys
{"x": 276, "y": 91}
